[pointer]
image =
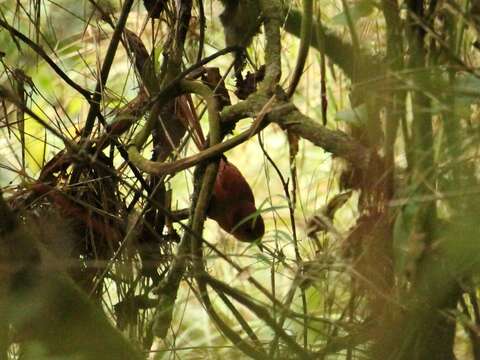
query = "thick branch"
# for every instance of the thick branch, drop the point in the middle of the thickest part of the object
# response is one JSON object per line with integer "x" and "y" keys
{"x": 273, "y": 20}
{"x": 189, "y": 245}
{"x": 284, "y": 114}
{"x": 333, "y": 141}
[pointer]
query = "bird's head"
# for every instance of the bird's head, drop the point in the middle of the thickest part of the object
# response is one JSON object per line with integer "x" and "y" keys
{"x": 248, "y": 223}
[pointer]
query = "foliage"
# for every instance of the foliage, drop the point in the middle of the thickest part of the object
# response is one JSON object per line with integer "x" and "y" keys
{"x": 354, "y": 124}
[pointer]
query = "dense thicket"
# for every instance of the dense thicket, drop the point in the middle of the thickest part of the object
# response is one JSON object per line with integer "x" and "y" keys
{"x": 124, "y": 124}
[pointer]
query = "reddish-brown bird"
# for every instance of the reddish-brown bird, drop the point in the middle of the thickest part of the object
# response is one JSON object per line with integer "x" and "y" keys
{"x": 233, "y": 205}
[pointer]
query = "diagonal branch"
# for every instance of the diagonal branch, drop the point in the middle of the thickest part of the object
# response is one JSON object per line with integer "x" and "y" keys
{"x": 40, "y": 52}
{"x": 107, "y": 64}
